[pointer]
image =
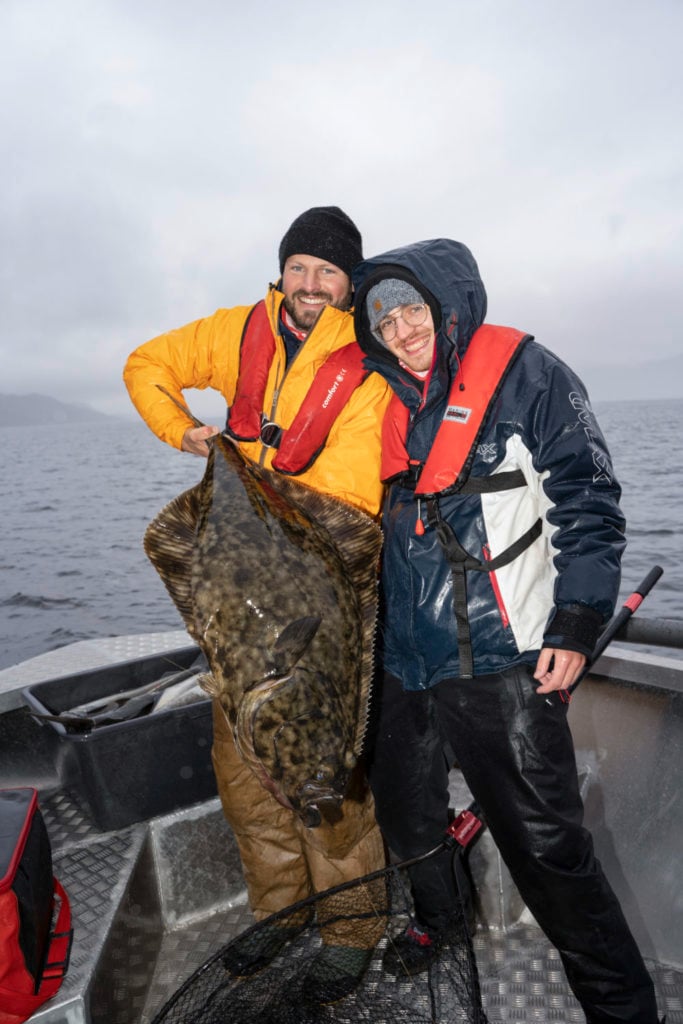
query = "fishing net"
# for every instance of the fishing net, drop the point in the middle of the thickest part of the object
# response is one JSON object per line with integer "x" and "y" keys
{"x": 323, "y": 942}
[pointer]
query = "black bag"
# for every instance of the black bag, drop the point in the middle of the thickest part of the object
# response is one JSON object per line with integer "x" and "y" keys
{"x": 33, "y": 959}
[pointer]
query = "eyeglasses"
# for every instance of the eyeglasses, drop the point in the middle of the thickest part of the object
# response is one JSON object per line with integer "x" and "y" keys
{"x": 413, "y": 316}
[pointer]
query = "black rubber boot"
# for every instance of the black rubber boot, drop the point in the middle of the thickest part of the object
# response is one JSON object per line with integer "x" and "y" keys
{"x": 412, "y": 952}
{"x": 335, "y": 972}
{"x": 250, "y": 953}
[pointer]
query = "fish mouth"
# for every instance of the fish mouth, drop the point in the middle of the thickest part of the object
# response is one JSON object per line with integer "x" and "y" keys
{"x": 318, "y": 804}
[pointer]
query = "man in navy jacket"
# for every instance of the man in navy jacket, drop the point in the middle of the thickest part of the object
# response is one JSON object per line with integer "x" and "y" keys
{"x": 503, "y": 543}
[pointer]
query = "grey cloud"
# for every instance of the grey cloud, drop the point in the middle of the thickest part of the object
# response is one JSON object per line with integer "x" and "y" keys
{"x": 155, "y": 153}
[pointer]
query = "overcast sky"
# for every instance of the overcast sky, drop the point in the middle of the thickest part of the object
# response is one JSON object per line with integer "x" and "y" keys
{"x": 155, "y": 151}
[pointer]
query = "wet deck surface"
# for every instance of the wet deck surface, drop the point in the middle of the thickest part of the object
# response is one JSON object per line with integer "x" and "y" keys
{"x": 152, "y": 902}
{"x": 112, "y": 882}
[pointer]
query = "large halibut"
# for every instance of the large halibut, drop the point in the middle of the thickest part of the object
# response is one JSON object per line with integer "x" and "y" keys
{"x": 277, "y": 584}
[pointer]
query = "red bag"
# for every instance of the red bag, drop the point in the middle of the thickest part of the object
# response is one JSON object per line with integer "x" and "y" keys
{"x": 33, "y": 960}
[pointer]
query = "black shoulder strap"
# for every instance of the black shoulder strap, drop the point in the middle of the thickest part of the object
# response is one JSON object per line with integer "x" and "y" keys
{"x": 460, "y": 561}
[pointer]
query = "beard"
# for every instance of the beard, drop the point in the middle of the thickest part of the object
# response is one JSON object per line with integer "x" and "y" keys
{"x": 304, "y": 319}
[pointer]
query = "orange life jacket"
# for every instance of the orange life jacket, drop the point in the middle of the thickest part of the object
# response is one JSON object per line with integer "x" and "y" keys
{"x": 299, "y": 444}
{"x": 489, "y": 355}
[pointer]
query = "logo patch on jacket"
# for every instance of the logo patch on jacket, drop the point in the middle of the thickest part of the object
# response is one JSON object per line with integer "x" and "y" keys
{"x": 457, "y": 414}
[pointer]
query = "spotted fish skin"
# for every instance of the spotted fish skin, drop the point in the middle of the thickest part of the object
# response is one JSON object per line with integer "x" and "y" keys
{"x": 277, "y": 584}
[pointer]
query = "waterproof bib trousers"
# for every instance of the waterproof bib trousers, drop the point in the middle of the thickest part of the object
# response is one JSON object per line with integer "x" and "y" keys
{"x": 516, "y": 753}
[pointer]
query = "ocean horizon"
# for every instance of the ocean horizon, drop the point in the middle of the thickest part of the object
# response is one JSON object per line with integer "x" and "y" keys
{"x": 79, "y": 496}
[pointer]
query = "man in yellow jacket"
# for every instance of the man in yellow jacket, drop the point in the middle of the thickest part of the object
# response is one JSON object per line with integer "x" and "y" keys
{"x": 271, "y": 362}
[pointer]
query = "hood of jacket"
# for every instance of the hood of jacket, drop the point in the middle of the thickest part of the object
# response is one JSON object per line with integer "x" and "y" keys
{"x": 446, "y": 273}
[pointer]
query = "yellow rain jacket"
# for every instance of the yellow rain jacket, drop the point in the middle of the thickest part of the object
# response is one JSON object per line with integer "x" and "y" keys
{"x": 206, "y": 354}
{"x": 282, "y": 860}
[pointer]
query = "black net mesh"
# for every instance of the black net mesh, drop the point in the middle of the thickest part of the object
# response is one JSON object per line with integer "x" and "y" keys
{"x": 338, "y": 957}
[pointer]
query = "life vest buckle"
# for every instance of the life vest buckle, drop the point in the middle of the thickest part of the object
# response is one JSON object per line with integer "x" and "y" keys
{"x": 409, "y": 478}
{"x": 271, "y": 433}
{"x": 433, "y": 511}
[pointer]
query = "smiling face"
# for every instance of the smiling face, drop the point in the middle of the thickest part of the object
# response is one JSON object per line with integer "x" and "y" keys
{"x": 413, "y": 346}
{"x": 309, "y": 284}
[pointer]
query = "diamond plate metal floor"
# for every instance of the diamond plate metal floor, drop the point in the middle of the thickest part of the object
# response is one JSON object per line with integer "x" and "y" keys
{"x": 141, "y": 932}
{"x": 184, "y": 950}
{"x": 522, "y": 980}
{"x": 151, "y": 903}
{"x": 521, "y": 977}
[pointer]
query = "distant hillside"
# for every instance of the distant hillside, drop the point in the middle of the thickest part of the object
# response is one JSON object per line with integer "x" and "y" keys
{"x": 27, "y": 410}
{"x": 661, "y": 378}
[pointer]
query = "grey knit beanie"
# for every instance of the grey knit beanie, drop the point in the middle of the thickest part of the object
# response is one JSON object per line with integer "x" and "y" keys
{"x": 387, "y": 295}
{"x": 325, "y": 232}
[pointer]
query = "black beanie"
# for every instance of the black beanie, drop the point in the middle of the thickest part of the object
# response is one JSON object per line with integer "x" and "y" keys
{"x": 325, "y": 232}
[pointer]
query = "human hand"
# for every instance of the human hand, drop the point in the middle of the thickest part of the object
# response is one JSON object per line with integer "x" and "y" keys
{"x": 566, "y": 669}
{"x": 194, "y": 440}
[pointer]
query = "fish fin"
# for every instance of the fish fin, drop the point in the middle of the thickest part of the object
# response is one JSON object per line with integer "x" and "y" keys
{"x": 251, "y": 476}
{"x": 209, "y": 685}
{"x": 358, "y": 539}
{"x": 181, "y": 406}
{"x": 292, "y": 642}
{"x": 169, "y": 542}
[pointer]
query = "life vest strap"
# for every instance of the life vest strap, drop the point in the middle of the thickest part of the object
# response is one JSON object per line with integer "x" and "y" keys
{"x": 473, "y": 485}
{"x": 299, "y": 444}
{"x": 491, "y": 484}
{"x": 334, "y": 383}
{"x": 460, "y": 562}
{"x": 257, "y": 348}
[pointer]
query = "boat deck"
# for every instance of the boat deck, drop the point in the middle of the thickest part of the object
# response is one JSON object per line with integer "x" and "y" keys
{"x": 153, "y": 901}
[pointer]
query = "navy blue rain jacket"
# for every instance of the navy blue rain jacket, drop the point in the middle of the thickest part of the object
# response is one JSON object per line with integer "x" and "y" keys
{"x": 563, "y": 587}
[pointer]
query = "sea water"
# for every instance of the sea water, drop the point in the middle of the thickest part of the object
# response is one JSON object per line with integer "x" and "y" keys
{"x": 78, "y": 497}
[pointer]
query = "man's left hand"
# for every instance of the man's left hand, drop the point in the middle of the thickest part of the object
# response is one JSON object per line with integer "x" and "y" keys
{"x": 565, "y": 670}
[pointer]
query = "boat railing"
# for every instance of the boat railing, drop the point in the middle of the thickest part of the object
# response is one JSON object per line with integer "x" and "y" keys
{"x": 656, "y": 632}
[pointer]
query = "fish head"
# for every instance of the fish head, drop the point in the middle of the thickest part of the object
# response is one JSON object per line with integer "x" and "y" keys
{"x": 293, "y": 733}
{"x": 321, "y": 794}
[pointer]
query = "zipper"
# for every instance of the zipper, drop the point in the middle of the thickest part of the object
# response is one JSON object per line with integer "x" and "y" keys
{"x": 279, "y": 384}
{"x": 505, "y": 618}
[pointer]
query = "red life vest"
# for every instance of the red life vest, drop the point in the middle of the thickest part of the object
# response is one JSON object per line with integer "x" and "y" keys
{"x": 299, "y": 444}
{"x": 489, "y": 355}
